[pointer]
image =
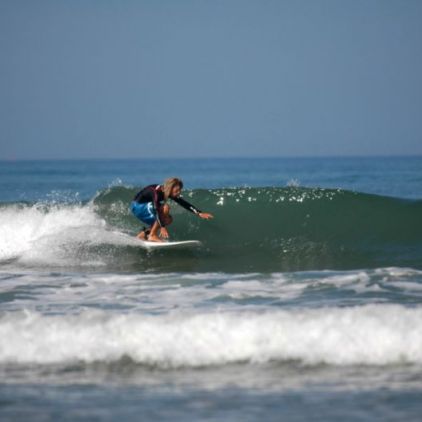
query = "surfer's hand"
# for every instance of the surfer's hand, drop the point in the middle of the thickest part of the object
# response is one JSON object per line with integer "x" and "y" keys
{"x": 206, "y": 215}
{"x": 164, "y": 233}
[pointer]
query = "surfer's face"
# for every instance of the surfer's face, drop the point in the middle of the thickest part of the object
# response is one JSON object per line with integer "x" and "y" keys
{"x": 176, "y": 191}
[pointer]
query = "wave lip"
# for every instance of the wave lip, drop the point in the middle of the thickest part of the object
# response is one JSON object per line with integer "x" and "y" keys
{"x": 362, "y": 335}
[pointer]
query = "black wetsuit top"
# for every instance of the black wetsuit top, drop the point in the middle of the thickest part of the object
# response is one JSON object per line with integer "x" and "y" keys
{"x": 155, "y": 194}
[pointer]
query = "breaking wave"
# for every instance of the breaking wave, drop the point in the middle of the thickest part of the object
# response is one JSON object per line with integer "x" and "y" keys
{"x": 367, "y": 335}
{"x": 255, "y": 229}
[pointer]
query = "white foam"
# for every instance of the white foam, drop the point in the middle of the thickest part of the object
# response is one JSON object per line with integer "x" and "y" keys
{"x": 276, "y": 286}
{"x": 164, "y": 292}
{"x": 369, "y": 335}
{"x": 37, "y": 234}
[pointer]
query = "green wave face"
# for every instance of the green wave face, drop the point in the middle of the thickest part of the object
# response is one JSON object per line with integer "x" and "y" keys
{"x": 282, "y": 229}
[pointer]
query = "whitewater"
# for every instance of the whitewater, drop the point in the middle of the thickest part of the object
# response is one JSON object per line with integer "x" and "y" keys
{"x": 369, "y": 335}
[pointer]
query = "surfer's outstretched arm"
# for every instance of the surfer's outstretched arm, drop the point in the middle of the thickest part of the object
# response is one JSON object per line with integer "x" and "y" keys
{"x": 188, "y": 206}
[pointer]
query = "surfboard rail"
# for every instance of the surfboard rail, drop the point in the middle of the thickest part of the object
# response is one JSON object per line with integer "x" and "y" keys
{"x": 169, "y": 244}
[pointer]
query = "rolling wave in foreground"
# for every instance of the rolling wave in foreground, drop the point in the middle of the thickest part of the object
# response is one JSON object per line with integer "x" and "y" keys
{"x": 368, "y": 335}
{"x": 255, "y": 229}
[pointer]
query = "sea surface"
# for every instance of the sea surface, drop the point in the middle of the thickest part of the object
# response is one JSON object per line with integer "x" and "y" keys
{"x": 304, "y": 302}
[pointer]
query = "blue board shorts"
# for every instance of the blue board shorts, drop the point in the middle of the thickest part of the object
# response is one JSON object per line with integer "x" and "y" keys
{"x": 144, "y": 212}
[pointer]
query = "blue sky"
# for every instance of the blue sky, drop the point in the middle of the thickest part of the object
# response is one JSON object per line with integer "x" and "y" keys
{"x": 115, "y": 79}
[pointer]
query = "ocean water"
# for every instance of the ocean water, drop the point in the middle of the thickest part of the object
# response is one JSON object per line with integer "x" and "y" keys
{"x": 304, "y": 302}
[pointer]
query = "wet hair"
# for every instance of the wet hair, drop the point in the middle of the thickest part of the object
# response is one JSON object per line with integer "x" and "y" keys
{"x": 170, "y": 183}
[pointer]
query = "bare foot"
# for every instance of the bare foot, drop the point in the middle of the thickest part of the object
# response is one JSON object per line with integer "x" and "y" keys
{"x": 142, "y": 235}
{"x": 152, "y": 238}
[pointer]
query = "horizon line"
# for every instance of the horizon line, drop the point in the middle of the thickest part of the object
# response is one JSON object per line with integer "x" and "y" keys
{"x": 215, "y": 157}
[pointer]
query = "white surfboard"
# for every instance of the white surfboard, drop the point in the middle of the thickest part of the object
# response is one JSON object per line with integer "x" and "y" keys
{"x": 184, "y": 244}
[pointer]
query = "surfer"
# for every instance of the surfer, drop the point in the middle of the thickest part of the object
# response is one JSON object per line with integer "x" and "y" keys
{"x": 151, "y": 207}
